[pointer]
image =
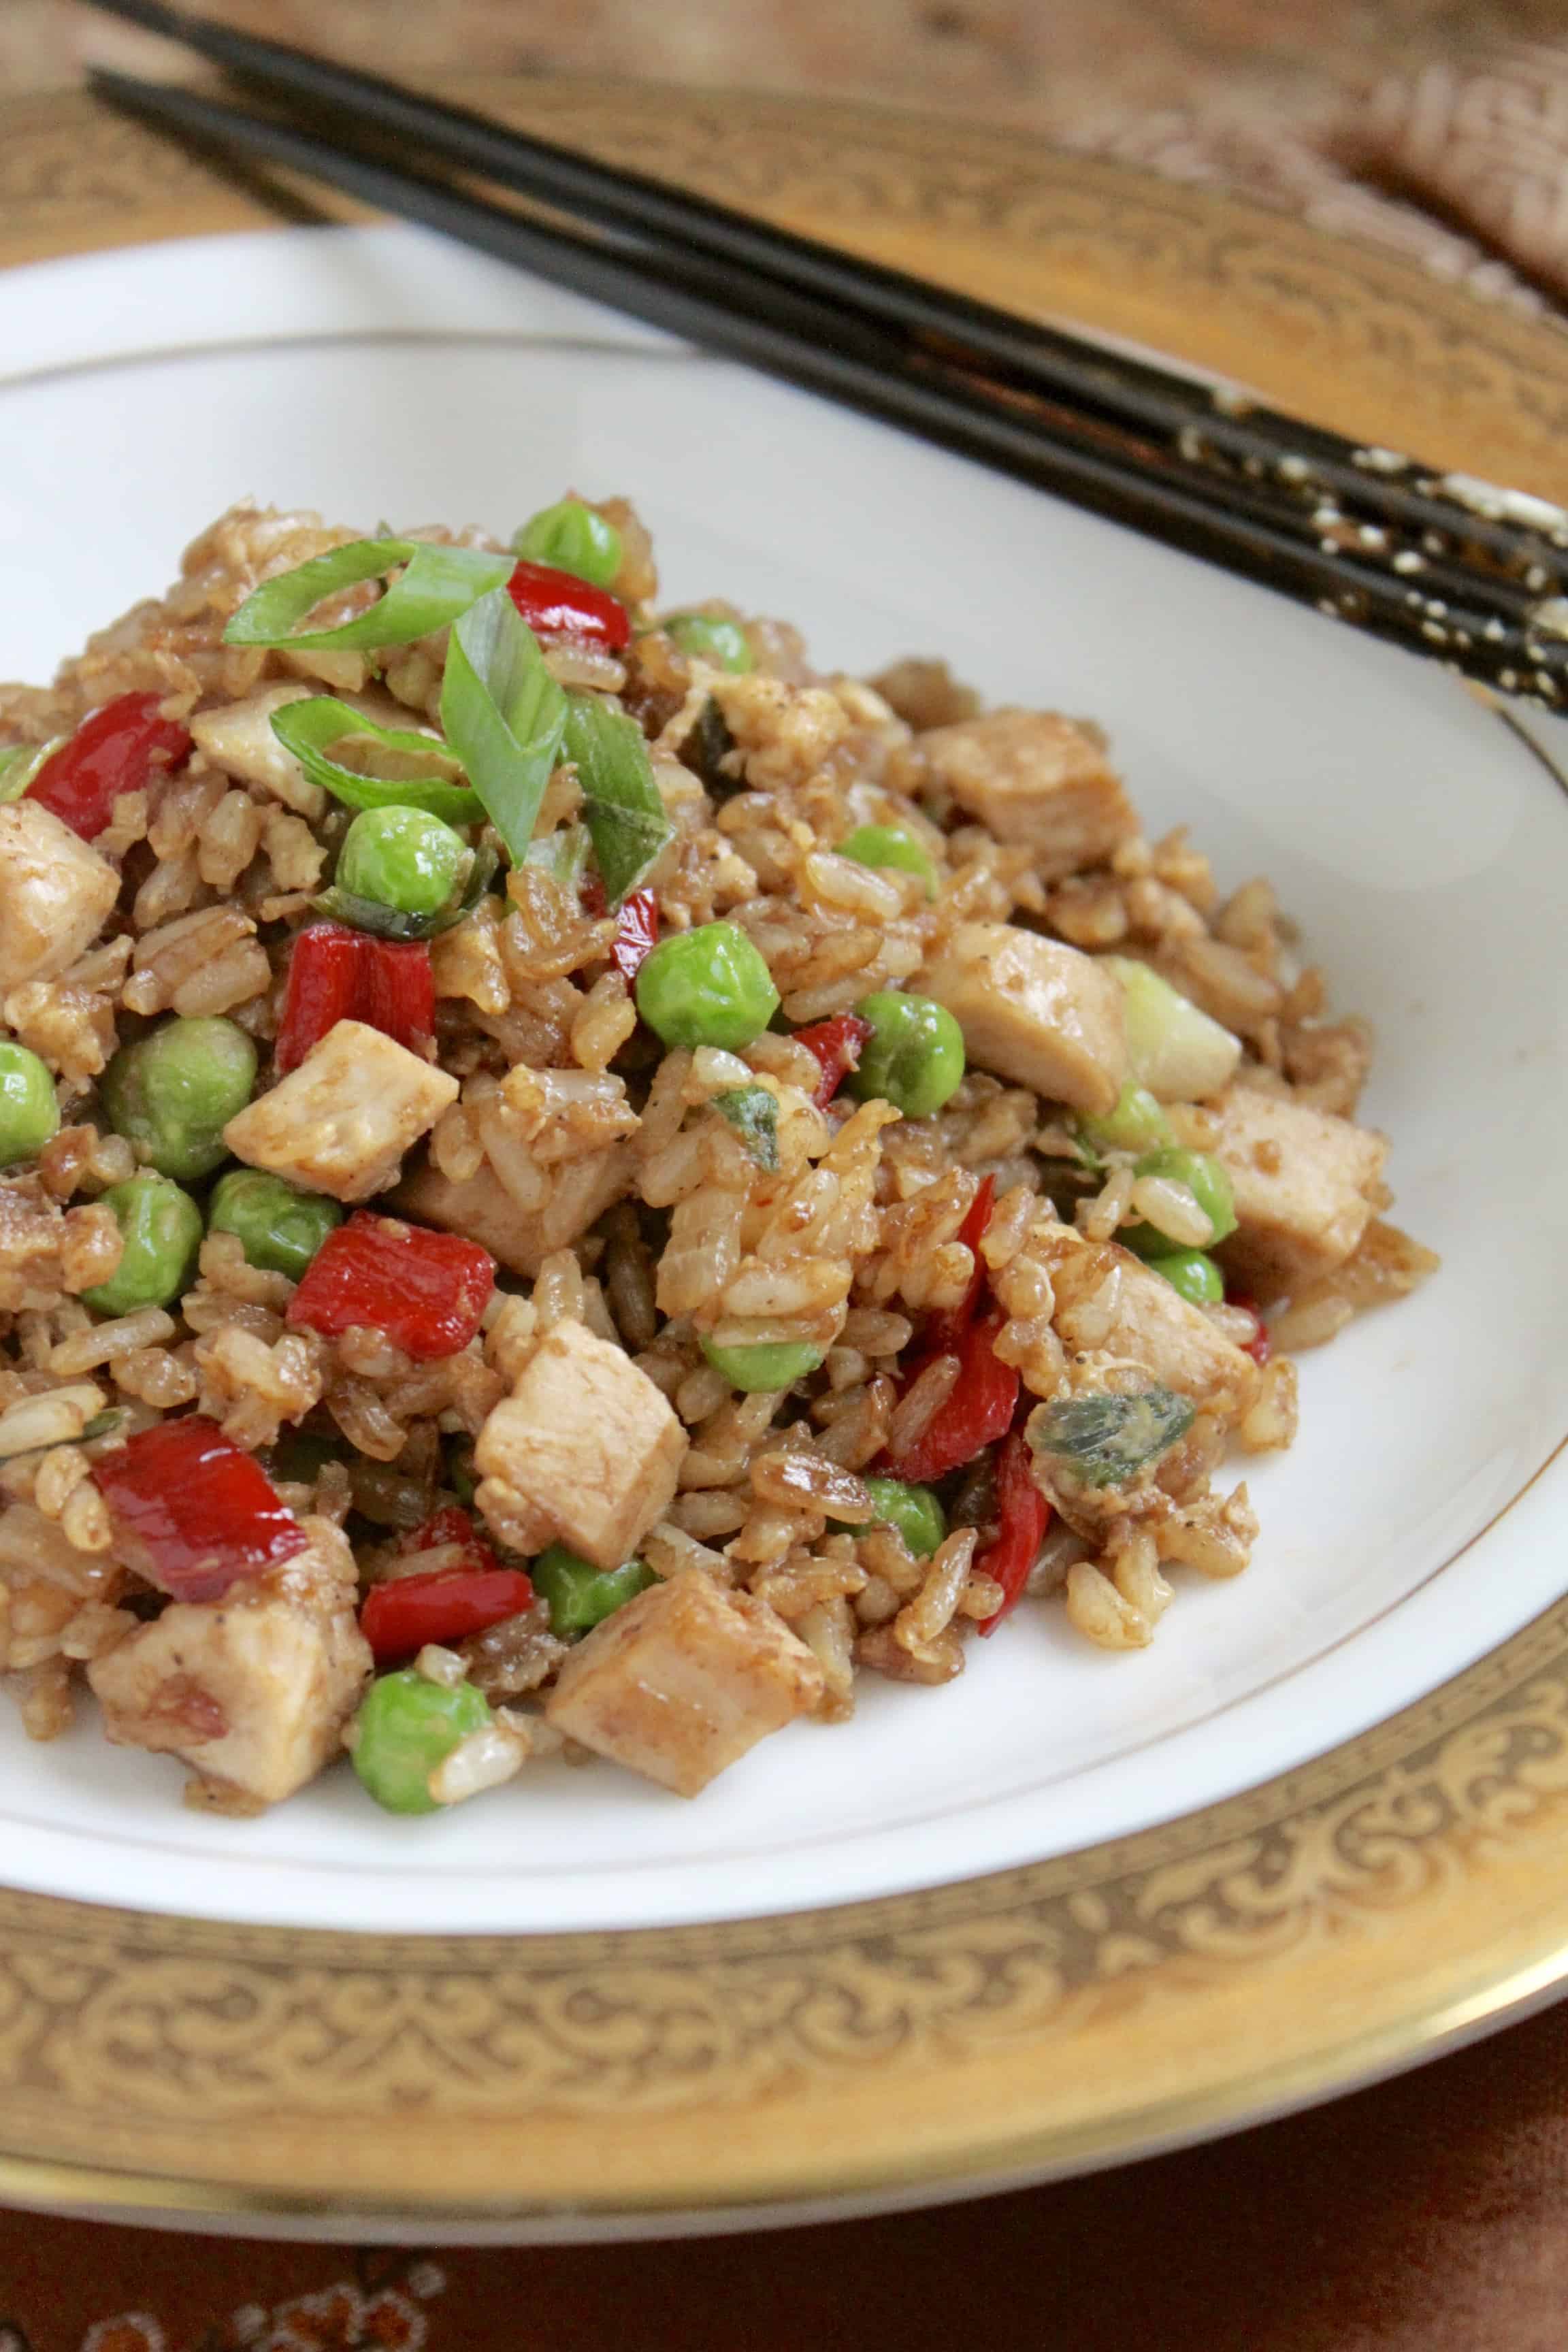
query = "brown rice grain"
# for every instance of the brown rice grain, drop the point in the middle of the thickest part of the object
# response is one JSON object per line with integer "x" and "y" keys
{"x": 86, "y": 1350}
{"x": 921, "y": 1401}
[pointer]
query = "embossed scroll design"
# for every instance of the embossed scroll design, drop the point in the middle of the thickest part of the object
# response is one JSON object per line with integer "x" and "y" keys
{"x": 120, "y": 2016}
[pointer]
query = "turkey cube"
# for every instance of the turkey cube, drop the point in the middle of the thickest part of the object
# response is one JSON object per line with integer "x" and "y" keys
{"x": 1109, "y": 1303}
{"x": 237, "y": 737}
{"x": 682, "y": 1681}
{"x": 1035, "y": 777}
{"x": 1306, "y": 1183}
{"x": 252, "y": 1690}
{"x": 585, "y": 1450}
{"x": 56, "y": 894}
{"x": 1036, "y": 1012}
{"x": 341, "y": 1122}
{"x": 481, "y": 1209}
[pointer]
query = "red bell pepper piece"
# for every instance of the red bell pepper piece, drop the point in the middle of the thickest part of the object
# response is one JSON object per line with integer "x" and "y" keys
{"x": 113, "y": 752}
{"x": 338, "y": 974}
{"x": 838, "y": 1044}
{"x": 557, "y": 604}
{"x": 194, "y": 1513}
{"x": 400, "y": 1616}
{"x": 1024, "y": 1514}
{"x": 1259, "y": 1347}
{"x": 636, "y": 934}
{"x": 426, "y": 1291}
{"x": 979, "y": 1410}
{"x": 945, "y": 1326}
{"x": 453, "y": 1525}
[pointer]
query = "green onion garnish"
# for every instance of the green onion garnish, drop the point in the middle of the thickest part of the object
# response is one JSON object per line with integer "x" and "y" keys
{"x": 503, "y": 715}
{"x": 314, "y": 729}
{"x": 754, "y": 1113}
{"x": 1105, "y": 1441}
{"x": 438, "y": 584}
{"x": 562, "y": 855}
{"x": 620, "y": 800}
{"x": 20, "y": 762}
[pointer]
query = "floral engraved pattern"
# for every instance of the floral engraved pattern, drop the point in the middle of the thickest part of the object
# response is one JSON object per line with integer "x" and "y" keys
{"x": 115, "y": 2017}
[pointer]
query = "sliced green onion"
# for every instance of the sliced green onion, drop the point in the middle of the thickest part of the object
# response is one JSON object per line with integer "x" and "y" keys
{"x": 503, "y": 715}
{"x": 754, "y": 1113}
{"x": 620, "y": 800}
{"x": 562, "y": 855}
{"x": 438, "y": 584}
{"x": 315, "y": 728}
{"x": 391, "y": 922}
{"x": 20, "y": 762}
{"x": 1105, "y": 1441}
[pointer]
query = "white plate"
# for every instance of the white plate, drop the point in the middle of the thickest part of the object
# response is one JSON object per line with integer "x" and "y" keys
{"x": 375, "y": 373}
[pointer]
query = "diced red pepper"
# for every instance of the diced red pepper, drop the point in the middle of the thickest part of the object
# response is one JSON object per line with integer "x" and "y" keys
{"x": 113, "y": 752}
{"x": 838, "y": 1044}
{"x": 426, "y": 1291}
{"x": 591, "y": 893}
{"x": 400, "y": 1616}
{"x": 194, "y": 1513}
{"x": 945, "y": 1327}
{"x": 978, "y": 1411}
{"x": 558, "y": 605}
{"x": 338, "y": 974}
{"x": 636, "y": 934}
{"x": 1024, "y": 1514}
{"x": 453, "y": 1528}
{"x": 1259, "y": 1347}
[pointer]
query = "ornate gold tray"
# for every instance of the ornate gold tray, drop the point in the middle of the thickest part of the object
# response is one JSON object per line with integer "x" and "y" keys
{"x": 1348, "y": 1919}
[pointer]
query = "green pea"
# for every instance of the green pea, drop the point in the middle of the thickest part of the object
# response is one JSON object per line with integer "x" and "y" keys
{"x": 706, "y": 637}
{"x": 1191, "y": 1272}
{"x": 404, "y": 858}
{"x": 891, "y": 845}
{"x": 914, "y": 1511}
{"x": 580, "y": 1596}
{"x": 575, "y": 537}
{"x": 160, "y": 1233}
{"x": 279, "y": 1228}
{"x": 1207, "y": 1180}
{"x": 706, "y": 987}
{"x": 29, "y": 1114}
{"x": 1137, "y": 1124}
{"x": 914, "y": 1056}
{"x": 773, "y": 1364}
{"x": 173, "y": 1091}
{"x": 406, "y": 1726}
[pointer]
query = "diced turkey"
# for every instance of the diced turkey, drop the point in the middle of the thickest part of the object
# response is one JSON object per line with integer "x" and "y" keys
{"x": 682, "y": 1681}
{"x": 1036, "y": 1012}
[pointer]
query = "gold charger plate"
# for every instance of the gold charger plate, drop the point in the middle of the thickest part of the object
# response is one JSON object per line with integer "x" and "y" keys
{"x": 1390, "y": 1898}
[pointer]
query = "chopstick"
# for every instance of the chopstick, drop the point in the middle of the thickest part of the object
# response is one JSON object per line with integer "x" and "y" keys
{"x": 1194, "y": 426}
{"x": 1259, "y": 493}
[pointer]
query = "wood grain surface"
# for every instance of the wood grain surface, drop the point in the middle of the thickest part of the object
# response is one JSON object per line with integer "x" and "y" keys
{"x": 1013, "y": 60}
{"x": 1329, "y": 328}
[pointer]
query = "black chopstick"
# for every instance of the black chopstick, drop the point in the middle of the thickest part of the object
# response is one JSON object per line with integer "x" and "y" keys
{"x": 1243, "y": 448}
{"x": 831, "y": 349}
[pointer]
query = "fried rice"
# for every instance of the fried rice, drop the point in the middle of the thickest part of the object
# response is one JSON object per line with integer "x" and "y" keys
{"x": 727, "y": 1306}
